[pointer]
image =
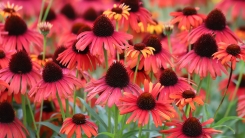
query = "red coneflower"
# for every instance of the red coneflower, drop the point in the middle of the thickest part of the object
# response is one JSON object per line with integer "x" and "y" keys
{"x": 186, "y": 97}
{"x": 19, "y": 36}
{"x": 188, "y": 18}
{"x": 144, "y": 103}
{"x": 190, "y": 128}
{"x": 215, "y": 23}
{"x": 103, "y": 36}
{"x": 21, "y": 73}
{"x": 237, "y": 7}
{"x": 137, "y": 14}
{"x": 5, "y": 56}
{"x": 109, "y": 86}
{"x": 200, "y": 61}
{"x": 78, "y": 123}
{"x": 9, "y": 124}
{"x": 54, "y": 81}
{"x": 172, "y": 84}
{"x": 230, "y": 53}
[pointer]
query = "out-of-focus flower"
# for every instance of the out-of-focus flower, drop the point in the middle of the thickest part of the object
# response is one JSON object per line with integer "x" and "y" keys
{"x": 240, "y": 32}
{"x": 44, "y": 27}
{"x": 8, "y": 9}
{"x": 118, "y": 13}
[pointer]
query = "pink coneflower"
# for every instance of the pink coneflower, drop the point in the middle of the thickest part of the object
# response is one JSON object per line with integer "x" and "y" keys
{"x": 172, "y": 84}
{"x": 214, "y": 23}
{"x": 79, "y": 59}
{"x": 183, "y": 98}
{"x": 54, "y": 81}
{"x": 109, "y": 86}
{"x": 160, "y": 58}
{"x": 144, "y": 103}
{"x": 188, "y": 18}
{"x": 5, "y": 57}
{"x": 68, "y": 11}
{"x": 103, "y": 36}
{"x": 230, "y": 53}
{"x": 90, "y": 15}
{"x": 9, "y": 124}
{"x": 19, "y": 36}
{"x": 8, "y": 9}
{"x": 200, "y": 61}
{"x": 137, "y": 14}
{"x": 190, "y": 128}
{"x": 76, "y": 124}
{"x": 236, "y": 6}
{"x": 21, "y": 73}
{"x": 140, "y": 76}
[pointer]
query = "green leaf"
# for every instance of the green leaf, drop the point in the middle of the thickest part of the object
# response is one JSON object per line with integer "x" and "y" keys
{"x": 93, "y": 113}
{"x": 106, "y": 133}
{"x": 225, "y": 119}
{"x": 130, "y": 133}
{"x": 52, "y": 126}
{"x": 226, "y": 127}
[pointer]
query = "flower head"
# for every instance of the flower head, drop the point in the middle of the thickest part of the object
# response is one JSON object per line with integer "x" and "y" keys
{"x": 118, "y": 12}
{"x": 77, "y": 123}
{"x": 144, "y": 103}
{"x": 8, "y": 9}
{"x": 44, "y": 27}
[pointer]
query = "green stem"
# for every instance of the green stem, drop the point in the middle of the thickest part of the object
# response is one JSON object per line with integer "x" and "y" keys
{"x": 67, "y": 107}
{"x": 148, "y": 128}
{"x": 40, "y": 117}
{"x": 75, "y": 96}
{"x": 61, "y": 107}
{"x": 33, "y": 119}
{"x": 140, "y": 132}
{"x": 123, "y": 125}
{"x": 84, "y": 97}
{"x": 208, "y": 88}
{"x": 199, "y": 86}
{"x": 24, "y": 109}
{"x": 187, "y": 110}
{"x": 47, "y": 10}
{"x": 106, "y": 58}
{"x": 44, "y": 46}
{"x": 109, "y": 120}
{"x": 236, "y": 89}
{"x": 136, "y": 69}
{"x": 229, "y": 80}
{"x": 41, "y": 12}
{"x": 116, "y": 121}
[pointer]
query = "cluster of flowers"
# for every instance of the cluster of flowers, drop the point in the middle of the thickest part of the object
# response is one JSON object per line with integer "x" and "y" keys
{"x": 142, "y": 61}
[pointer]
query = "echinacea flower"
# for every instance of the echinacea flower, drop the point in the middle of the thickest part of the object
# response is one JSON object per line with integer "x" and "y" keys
{"x": 109, "y": 87}
{"x": 190, "y": 127}
{"x": 77, "y": 124}
{"x": 240, "y": 106}
{"x": 19, "y": 37}
{"x": 214, "y": 23}
{"x": 137, "y": 14}
{"x": 21, "y": 73}
{"x": 140, "y": 76}
{"x": 144, "y": 103}
{"x": 236, "y": 6}
{"x": 139, "y": 48}
{"x": 39, "y": 59}
{"x": 44, "y": 27}
{"x": 240, "y": 32}
{"x": 103, "y": 36}
{"x": 118, "y": 13}
{"x": 5, "y": 56}
{"x": 58, "y": 51}
{"x": 68, "y": 10}
{"x": 8, "y": 9}
{"x": 230, "y": 53}
{"x": 54, "y": 81}
{"x": 200, "y": 61}
{"x": 188, "y": 18}
{"x": 183, "y": 98}
{"x": 159, "y": 58}
{"x": 9, "y": 124}
{"x": 172, "y": 84}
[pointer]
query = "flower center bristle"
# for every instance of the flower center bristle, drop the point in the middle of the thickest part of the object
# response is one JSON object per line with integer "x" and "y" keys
{"x": 2, "y": 54}
{"x": 79, "y": 119}
{"x": 117, "y": 76}
{"x": 20, "y": 63}
{"x": 139, "y": 46}
{"x": 103, "y": 26}
{"x": 52, "y": 72}
{"x": 153, "y": 41}
{"x": 215, "y": 20}
{"x": 85, "y": 51}
{"x": 76, "y": 28}
{"x": 192, "y": 127}
{"x": 90, "y": 14}
{"x": 188, "y": 94}
{"x": 47, "y": 106}
{"x": 168, "y": 77}
{"x": 6, "y": 113}
{"x": 233, "y": 49}
{"x": 117, "y": 10}
{"x": 69, "y": 12}
{"x": 51, "y": 15}
{"x": 56, "y": 54}
{"x": 205, "y": 46}
{"x": 146, "y": 101}
{"x": 133, "y": 4}
{"x": 14, "y": 25}
{"x": 189, "y": 11}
